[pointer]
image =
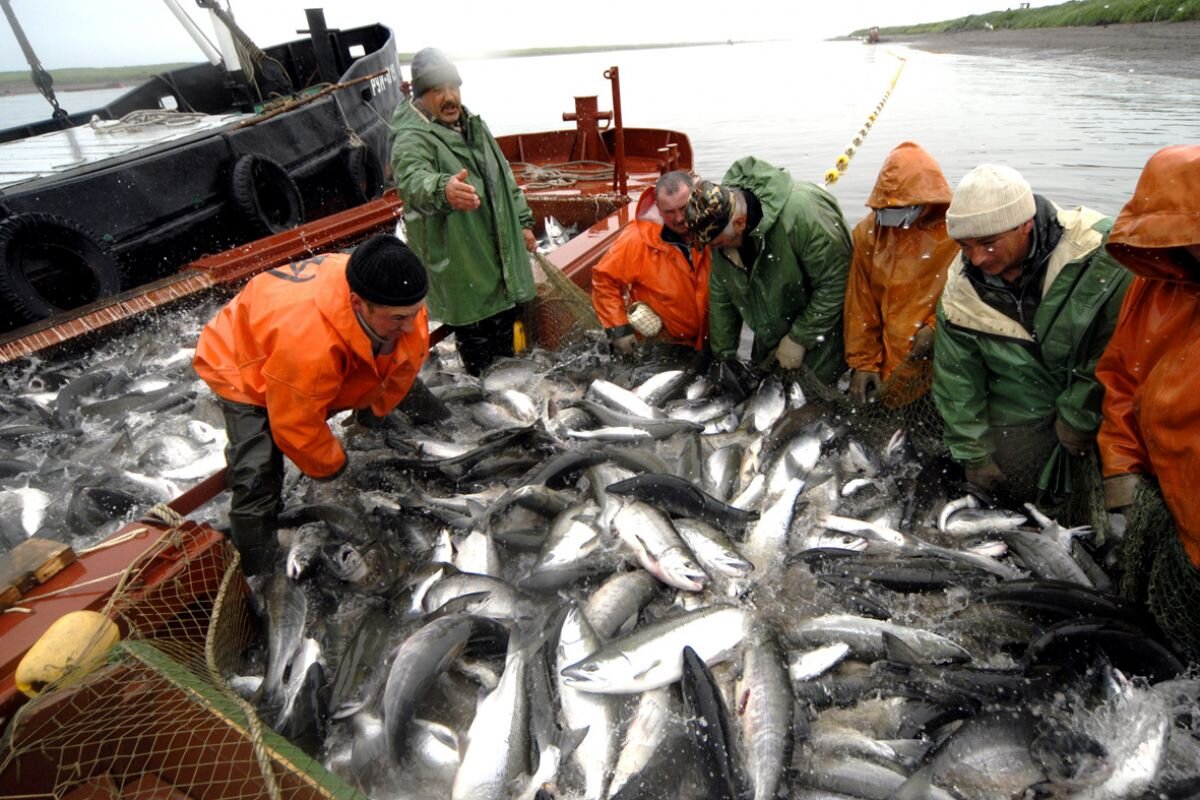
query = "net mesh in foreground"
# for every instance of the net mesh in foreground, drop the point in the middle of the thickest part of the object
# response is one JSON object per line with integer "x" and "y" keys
{"x": 154, "y": 717}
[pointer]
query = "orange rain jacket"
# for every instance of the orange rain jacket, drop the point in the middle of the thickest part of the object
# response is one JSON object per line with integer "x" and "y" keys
{"x": 897, "y": 275}
{"x": 1151, "y": 367}
{"x": 291, "y": 343}
{"x": 641, "y": 266}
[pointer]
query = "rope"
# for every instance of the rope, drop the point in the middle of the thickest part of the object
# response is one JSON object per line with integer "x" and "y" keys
{"x": 136, "y": 121}
{"x": 568, "y": 173}
{"x": 843, "y": 161}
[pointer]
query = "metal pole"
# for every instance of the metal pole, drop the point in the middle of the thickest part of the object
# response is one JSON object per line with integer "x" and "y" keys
{"x": 619, "y": 178}
{"x": 194, "y": 31}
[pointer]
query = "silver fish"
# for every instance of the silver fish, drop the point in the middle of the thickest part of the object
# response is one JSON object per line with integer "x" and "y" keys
{"x": 652, "y": 656}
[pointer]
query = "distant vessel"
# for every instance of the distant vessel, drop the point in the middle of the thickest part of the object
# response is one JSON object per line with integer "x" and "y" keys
{"x": 191, "y": 162}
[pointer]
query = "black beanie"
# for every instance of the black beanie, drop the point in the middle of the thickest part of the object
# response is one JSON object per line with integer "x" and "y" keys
{"x": 385, "y": 271}
{"x": 430, "y": 68}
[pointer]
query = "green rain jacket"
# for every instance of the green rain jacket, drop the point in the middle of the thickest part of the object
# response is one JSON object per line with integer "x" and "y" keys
{"x": 797, "y": 283}
{"x": 477, "y": 261}
{"x": 989, "y": 372}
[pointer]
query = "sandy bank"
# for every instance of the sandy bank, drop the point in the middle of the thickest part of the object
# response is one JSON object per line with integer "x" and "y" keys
{"x": 1153, "y": 48}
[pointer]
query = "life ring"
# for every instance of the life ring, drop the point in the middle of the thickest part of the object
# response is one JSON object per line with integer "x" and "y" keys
{"x": 50, "y": 264}
{"x": 364, "y": 173}
{"x": 265, "y": 194}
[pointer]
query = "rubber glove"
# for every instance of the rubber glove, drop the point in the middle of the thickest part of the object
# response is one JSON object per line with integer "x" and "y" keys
{"x": 922, "y": 344}
{"x": 986, "y": 477}
{"x": 624, "y": 345}
{"x": 1074, "y": 441}
{"x": 863, "y": 383}
{"x": 790, "y": 353}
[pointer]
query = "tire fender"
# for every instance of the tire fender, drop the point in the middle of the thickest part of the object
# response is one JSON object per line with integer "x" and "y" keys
{"x": 364, "y": 173}
{"x": 265, "y": 195}
{"x": 50, "y": 264}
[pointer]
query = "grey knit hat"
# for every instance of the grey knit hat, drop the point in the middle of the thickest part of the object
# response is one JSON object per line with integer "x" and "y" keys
{"x": 990, "y": 199}
{"x": 431, "y": 68}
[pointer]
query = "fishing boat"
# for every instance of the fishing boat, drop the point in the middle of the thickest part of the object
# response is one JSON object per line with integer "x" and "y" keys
{"x": 191, "y": 162}
{"x": 170, "y": 574}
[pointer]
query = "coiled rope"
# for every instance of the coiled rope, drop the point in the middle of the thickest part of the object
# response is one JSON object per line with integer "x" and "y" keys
{"x": 843, "y": 161}
{"x": 568, "y": 173}
{"x": 136, "y": 121}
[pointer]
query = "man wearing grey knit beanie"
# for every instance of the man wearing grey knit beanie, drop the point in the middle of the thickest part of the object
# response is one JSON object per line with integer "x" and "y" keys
{"x": 1025, "y": 314}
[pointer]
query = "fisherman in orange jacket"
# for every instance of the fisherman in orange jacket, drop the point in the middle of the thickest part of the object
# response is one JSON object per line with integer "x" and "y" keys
{"x": 653, "y": 282}
{"x": 901, "y": 255}
{"x": 1151, "y": 426}
{"x": 298, "y": 344}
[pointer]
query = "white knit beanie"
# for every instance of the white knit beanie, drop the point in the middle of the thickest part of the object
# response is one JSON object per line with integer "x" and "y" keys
{"x": 990, "y": 199}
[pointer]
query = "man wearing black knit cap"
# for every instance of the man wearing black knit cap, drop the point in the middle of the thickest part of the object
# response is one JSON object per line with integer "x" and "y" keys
{"x": 298, "y": 344}
{"x": 463, "y": 213}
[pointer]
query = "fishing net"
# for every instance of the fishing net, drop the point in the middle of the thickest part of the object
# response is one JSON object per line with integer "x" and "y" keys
{"x": 562, "y": 313}
{"x": 1155, "y": 570}
{"x": 901, "y": 402}
{"x": 154, "y": 717}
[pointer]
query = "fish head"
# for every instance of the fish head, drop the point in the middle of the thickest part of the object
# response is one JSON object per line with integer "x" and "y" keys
{"x": 593, "y": 674}
{"x": 346, "y": 562}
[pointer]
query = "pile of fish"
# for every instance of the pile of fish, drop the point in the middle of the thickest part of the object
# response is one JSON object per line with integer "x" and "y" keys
{"x": 594, "y": 580}
{"x": 92, "y": 440}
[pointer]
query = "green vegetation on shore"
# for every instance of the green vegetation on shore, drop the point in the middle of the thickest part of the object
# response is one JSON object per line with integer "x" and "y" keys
{"x": 1075, "y": 13}
{"x": 19, "y": 82}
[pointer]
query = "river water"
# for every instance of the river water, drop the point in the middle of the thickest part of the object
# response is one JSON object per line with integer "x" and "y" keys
{"x": 1078, "y": 133}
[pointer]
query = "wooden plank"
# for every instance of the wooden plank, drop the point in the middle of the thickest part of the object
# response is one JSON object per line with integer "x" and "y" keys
{"x": 31, "y": 562}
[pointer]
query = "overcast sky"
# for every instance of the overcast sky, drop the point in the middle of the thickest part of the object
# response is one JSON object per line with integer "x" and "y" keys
{"x": 98, "y": 33}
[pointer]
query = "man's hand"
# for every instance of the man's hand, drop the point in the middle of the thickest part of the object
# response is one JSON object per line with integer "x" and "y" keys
{"x": 530, "y": 239}
{"x": 790, "y": 353}
{"x": 461, "y": 195}
{"x": 863, "y": 383}
{"x": 624, "y": 345}
{"x": 1074, "y": 441}
{"x": 986, "y": 477}
{"x": 922, "y": 344}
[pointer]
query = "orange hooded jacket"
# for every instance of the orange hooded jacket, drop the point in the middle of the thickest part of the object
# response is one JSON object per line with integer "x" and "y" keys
{"x": 897, "y": 274}
{"x": 1151, "y": 367}
{"x": 291, "y": 343}
{"x": 644, "y": 267}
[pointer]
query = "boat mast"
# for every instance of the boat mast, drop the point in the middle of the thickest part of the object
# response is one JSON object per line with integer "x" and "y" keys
{"x": 41, "y": 78}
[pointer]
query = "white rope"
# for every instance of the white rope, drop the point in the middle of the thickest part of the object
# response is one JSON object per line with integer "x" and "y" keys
{"x": 136, "y": 121}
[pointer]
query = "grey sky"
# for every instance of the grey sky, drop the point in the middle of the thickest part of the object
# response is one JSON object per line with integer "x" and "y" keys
{"x": 93, "y": 33}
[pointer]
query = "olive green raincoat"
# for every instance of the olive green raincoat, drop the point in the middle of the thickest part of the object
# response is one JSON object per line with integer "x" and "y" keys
{"x": 477, "y": 261}
{"x": 989, "y": 373}
{"x": 797, "y": 283}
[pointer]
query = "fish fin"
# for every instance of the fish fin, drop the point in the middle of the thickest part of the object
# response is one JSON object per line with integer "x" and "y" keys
{"x": 900, "y": 652}
{"x": 919, "y": 786}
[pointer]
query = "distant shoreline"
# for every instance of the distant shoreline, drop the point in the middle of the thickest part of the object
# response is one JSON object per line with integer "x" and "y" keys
{"x": 1154, "y": 48}
{"x": 70, "y": 80}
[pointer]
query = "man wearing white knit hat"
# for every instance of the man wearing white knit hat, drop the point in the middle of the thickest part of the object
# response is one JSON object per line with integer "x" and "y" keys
{"x": 1026, "y": 311}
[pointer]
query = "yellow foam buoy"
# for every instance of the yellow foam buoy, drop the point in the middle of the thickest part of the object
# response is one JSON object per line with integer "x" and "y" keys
{"x": 841, "y": 163}
{"x": 75, "y": 640}
{"x": 831, "y": 176}
{"x": 520, "y": 343}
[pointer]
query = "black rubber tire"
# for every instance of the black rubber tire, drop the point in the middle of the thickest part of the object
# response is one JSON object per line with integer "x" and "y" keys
{"x": 50, "y": 264}
{"x": 265, "y": 195}
{"x": 364, "y": 174}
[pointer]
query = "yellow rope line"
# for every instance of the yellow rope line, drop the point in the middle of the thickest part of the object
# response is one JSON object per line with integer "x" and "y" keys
{"x": 843, "y": 161}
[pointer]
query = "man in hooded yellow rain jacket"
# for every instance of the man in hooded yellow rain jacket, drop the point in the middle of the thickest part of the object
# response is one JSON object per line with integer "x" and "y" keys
{"x": 901, "y": 255}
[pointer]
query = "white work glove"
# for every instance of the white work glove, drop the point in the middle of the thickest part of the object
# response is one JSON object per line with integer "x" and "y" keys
{"x": 790, "y": 353}
{"x": 643, "y": 320}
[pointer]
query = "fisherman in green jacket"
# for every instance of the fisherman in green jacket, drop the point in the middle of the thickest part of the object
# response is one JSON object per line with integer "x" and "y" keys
{"x": 463, "y": 213}
{"x": 780, "y": 259}
{"x": 1025, "y": 314}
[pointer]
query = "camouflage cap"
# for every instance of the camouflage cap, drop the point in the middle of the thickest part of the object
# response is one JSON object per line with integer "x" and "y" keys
{"x": 708, "y": 211}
